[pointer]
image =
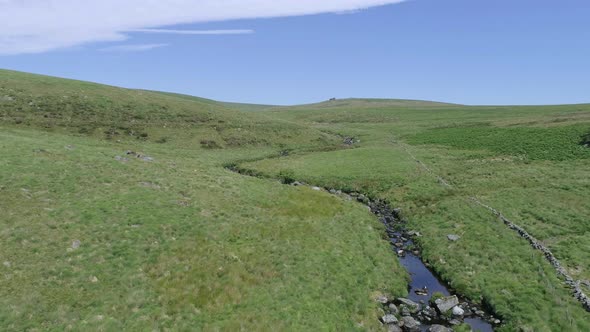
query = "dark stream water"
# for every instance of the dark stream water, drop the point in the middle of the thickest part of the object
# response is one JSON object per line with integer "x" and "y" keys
{"x": 421, "y": 277}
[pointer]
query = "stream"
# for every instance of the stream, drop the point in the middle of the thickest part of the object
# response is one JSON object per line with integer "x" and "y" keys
{"x": 423, "y": 283}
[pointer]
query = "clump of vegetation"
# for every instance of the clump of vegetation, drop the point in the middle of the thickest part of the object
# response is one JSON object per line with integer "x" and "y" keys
{"x": 287, "y": 176}
{"x": 535, "y": 143}
{"x": 436, "y": 296}
{"x": 209, "y": 144}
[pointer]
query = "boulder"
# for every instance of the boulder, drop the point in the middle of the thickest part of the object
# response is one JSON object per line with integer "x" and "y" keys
{"x": 412, "y": 306}
{"x": 410, "y": 324}
{"x": 316, "y": 188}
{"x": 389, "y": 319}
{"x": 458, "y": 311}
{"x": 445, "y": 304}
{"x": 439, "y": 328}
{"x": 453, "y": 237}
{"x": 393, "y": 328}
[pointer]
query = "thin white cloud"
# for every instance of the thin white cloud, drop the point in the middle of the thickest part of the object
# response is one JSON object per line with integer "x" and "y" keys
{"x": 196, "y": 32}
{"x": 34, "y": 26}
{"x": 132, "y": 47}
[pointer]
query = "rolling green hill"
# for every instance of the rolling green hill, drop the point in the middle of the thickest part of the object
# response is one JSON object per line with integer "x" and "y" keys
{"x": 118, "y": 212}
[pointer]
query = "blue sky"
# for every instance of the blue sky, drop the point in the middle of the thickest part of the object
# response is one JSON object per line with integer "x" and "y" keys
{"x": 464, "y": 51}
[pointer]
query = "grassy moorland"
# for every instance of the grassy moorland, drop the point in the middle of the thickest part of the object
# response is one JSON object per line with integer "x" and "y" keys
{"x": 526, "y": 162}
{"x": 94, "y": 239}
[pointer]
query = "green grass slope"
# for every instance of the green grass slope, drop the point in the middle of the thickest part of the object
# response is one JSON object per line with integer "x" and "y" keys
{"x": 367, "y": 103}
{"x": 28, "y": 100}
{"x": 247, "y": 107}
{"x": 94, "y": 239}
{"x": 526, "y": 161}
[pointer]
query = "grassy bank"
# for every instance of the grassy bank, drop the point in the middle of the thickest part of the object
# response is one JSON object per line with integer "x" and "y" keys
{"x": 525, "y": 161}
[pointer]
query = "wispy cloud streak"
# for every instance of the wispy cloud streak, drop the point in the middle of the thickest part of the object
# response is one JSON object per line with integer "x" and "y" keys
{"x": 132, "y": 47}
{"x": 35, "y": 26}
{"x": 195, "y": 32}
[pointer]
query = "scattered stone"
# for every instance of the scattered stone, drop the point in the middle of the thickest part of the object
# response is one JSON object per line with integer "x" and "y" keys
{"x": 316, "y": 188}
{"x": 445, "y": 304}
{"x": 414, "y": 233}
{"x": 394, "y": 328}
{"x": 76, "y": 244}
{"x": 453, "y": 237}
{"x": 497, "y": 321}
{"x": 7, "y": 264}
{"x": 455, "y": 322}
{"x": 296, "y": 183}
{"x": 70, "y": 147}
{"x": 349, "y": 140}
{"x": 389, "y": 319}
{"x": 121, "y": 159}
{"x": 480, "y": 313}
{"x": 93, "y": 279}
{"x": 404, "y": 310}
{"x": 458, "y": 311}
{"x": 149, "y": 185}
{"x": 410, "y": 324}
{"x": 362, "y": 198}
{"x": 429, "y": 311}
{"x": 439, "y": 328}
{"x": 138, "y": 155}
